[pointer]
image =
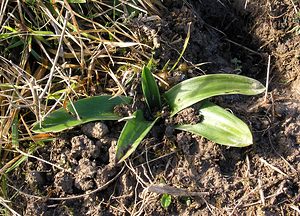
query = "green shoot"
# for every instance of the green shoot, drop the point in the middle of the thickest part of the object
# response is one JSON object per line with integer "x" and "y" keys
{"x": 132, "y": 134}
{"x": 150, "y": 89}
{"x": 186, "y": 42}
{"x": 166, "y": 200}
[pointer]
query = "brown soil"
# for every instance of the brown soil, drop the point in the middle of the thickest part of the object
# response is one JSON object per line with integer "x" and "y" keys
{"x": 259, "y": 180}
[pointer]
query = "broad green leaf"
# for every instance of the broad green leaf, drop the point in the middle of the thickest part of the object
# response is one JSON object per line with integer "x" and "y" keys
{"x": 220, "y": 126}
{"x": 165, "y": 200}
{"x": 199, "y": 88}
{"x": 150, "y": 89}
{"x": 132, "y": 134}
{"x": 88, "y": 109}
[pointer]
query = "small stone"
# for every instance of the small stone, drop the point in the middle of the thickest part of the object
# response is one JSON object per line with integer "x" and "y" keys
{"x": 95, "y": 130}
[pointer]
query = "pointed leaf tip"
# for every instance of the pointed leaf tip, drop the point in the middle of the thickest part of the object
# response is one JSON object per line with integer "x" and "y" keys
{"x": 199, "y": 88}
{"x": 150, "y": 89}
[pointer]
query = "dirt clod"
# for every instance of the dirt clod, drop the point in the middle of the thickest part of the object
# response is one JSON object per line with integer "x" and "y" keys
{"x": 64, "y": 182}
{"x": 84, "y": 147}
{"x": 84, "y": 174}
{"x": 95, "y": 130}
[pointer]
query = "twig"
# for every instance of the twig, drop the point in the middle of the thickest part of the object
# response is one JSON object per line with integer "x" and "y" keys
{"x": 261, "y": 193}
{"x": 278, "y": 192}
{"x": 284, "y": 160}
{"x": 272, "y": 167}
{"x": 295, "y": 7}
{"x": 20, "y": 12}
{"x": 268, "y": 77}
{"x": 44, "y": 161}
{"x": 56, "y": 57}
{"x": 9, "y": 164}
{"x": 246, "y": 48}
{"x": 242, "y": 199}
{"x": 155, "y": 159}
{"x": 295, "y": 208}
{"x": 246, "y": 4}
{"x": 2, "y": 12}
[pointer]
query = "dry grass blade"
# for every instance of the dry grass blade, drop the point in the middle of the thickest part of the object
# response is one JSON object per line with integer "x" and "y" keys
{"x": 55, "y": 52}
{"x": 56, "y": 59}
{"x": 4, "y": 203}
{"x": 3, "y": 8}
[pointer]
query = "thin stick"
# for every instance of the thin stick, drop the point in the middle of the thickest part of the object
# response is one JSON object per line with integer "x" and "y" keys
{"x": 261, "y": 193}
{"x": 246, "y": 3}
{"x": 44, "y": 161}
{"x": 3, "y": 7}
{"x": 272, "y": 167}
{"x": 239, "y": 45}
{"x": 56, "y": 56}
{"x": 242, "y": 199}
{"x": 20, "y": 12}
{"x": 295, "y": 208}
{"x": 268, "y": 77}
{"x": 295, "y": 7}
{"x": 166, "y": 189}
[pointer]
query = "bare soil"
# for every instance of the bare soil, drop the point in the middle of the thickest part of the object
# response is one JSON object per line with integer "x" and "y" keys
{"x": 262, "y": 179}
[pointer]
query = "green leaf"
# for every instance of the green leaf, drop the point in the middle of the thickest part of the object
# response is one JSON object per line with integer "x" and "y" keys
{"x": 15, "y": 44}
{"x": 10, "y": 29}
{"x": 16, "y": 164}
{"x": 186, "y": 42}
{"x": 15, "y": 132}
{"x": 199, "y": 88}
{"x": 132, "y": 134}
{"x": 43, "y": 33}
{"x": 88, "y": 109}
{"x": 166, "y": 200}
{"x": 57, "y": 94}
{"x": 220, "y": 126}
{"x": 150, "y": 89}
{"x": 150, "y": 64}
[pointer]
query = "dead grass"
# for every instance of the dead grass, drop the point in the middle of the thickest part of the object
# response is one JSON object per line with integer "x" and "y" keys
{"x": 52, "y": 52}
